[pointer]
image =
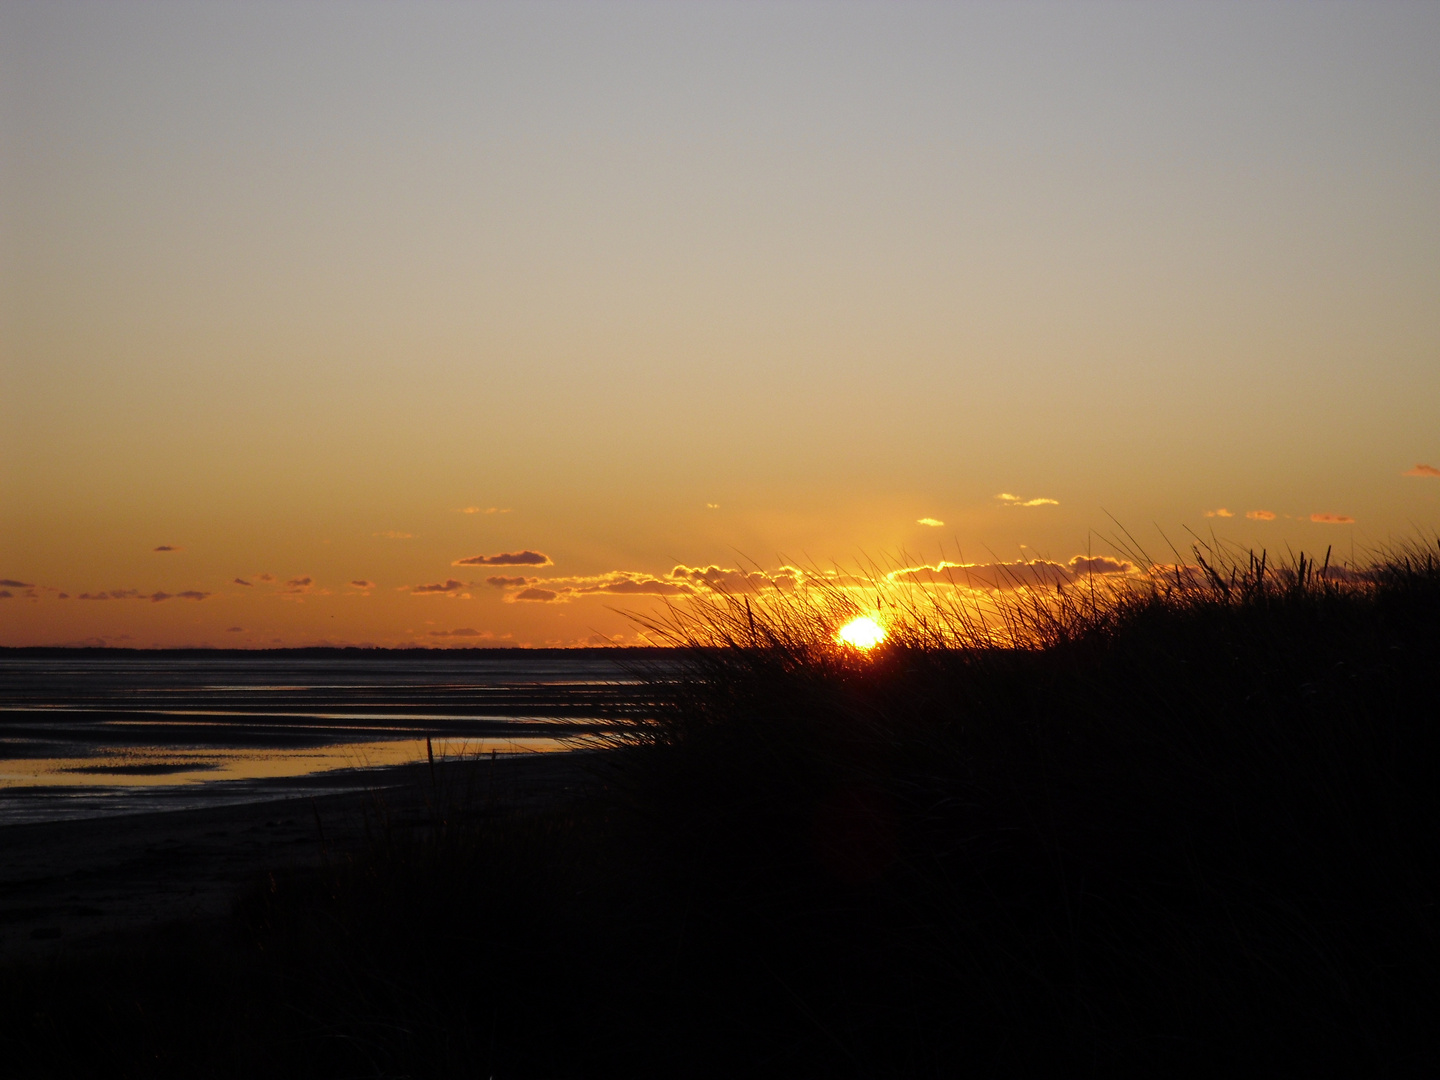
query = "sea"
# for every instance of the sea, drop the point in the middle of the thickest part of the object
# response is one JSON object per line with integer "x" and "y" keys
{"x": 95, "y": 732}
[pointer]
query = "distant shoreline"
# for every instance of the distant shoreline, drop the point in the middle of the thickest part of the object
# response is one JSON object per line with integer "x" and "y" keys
{"x": 322, "y": 651}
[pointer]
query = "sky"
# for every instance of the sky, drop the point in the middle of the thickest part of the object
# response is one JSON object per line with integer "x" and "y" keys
{"x": 304, "y": 305}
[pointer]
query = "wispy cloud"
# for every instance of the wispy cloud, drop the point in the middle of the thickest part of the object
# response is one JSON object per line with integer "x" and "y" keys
{"x": 501, "y": 582}
{"x": 1260, "y": 515}
{"x": 484, "y": 510}
{"x": 462, "y": 631}
{"x": 299, "y": 584}
{"x": 1015, "y": 500}
{"x": 1422, "y": 470}
{"x": 506, "y": 558}
{"x": 242, "y": 581}
{"x": 264, "y": 577}
{"x": 363, "y": 584}
{"x": 154, "y": 598}
{"x": 166, "y": 547}
{"x": 539, "y": 596}
{"x": 1333, "y": 519}
{"x": 448, "y": 586}
{"x": 1219, "y": 512}
{"x": 934, "y": 523}
{"x": 11, "y": 583}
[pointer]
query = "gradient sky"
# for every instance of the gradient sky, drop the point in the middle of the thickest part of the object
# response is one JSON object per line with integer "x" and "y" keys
{"x": 289, "y": 287}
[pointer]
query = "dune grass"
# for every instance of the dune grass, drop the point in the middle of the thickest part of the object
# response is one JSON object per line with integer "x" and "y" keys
{"x": 1184, "y": 821}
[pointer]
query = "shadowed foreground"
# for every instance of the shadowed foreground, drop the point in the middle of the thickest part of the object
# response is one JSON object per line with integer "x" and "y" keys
{"x": 1190, "y": 827}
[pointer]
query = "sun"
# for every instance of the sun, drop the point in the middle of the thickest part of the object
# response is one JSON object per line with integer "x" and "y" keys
{"x": 862, "y": 633}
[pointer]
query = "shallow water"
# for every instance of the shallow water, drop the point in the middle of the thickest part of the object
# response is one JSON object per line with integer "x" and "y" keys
{"x": 93, "y": 733}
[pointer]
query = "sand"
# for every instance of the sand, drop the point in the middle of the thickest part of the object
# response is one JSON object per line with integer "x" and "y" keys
{"x": 69, "y": 887}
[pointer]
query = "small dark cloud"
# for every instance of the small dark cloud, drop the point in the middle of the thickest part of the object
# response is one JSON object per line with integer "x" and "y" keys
{"x": 63, "y": 596}
{"x": 11, "y": 583}
{"x": 459, "y": 631}
{"x": 159, "y": 597}
{"x": 448, "y": 586}
{"x": 242, "y": 581}
{"x": 509, "y": 582}
{"x": 265, "y": 577}
{"x": 6, "y": 594}
{"x": 506, "y": 558}
{"x": 1422, "y": 470}
{"x": 539, "y": 596}
{"x": 192, "y": 594}
{"x": 1333, "y": 519}
{"x": 234, "y": 629}
{"x": 300, "y": 582}
{"x": 363, "y": 584}
{"x": 167, "y": 547}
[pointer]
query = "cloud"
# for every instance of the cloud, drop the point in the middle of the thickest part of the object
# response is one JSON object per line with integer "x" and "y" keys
{"x": 541, "y": 596}
{"x": 363, "y": 584}
{"x": 648, "y": 586}
{"x": 506, "y": 558}
{"x": 1219, "y": 512}
{"x": 166, "y": 547}
{"x": 1260, "y": 515}
{"x": 1333, "y": 519}
{"x": 6, "y": 594}
{"x": 193, "y": 594}
{"x": 448, "y": 586}
{"x": 393, "y": 535}
{"x": 722, "y": 579}
{"x": 712, "y": 506}
{"x": 265, "y": 577}
{"x": 11, "y": 583}
{"x": 1042, "y": 573}
{"x": 1422, "y": 470}
{"x": 508, "y": 582}
{"x": 299, "y": 584}
{"x": 460, "y": 631}
{"x": 242, "y": 581}
{"x": 934, "y": 523}
{"x": 234, "y": 629}
{"x": 484, "y": 510}
{"x": 1016, "y": 500}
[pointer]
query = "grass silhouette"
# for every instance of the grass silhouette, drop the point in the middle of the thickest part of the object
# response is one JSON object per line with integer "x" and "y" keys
{"x": 1180, "y": 820}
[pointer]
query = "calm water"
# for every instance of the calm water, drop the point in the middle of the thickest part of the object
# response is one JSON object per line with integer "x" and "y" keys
{"x": 91, "y": 733}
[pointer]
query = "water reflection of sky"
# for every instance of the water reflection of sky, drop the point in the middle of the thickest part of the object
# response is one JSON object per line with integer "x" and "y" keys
{"x": 84, "y": 736}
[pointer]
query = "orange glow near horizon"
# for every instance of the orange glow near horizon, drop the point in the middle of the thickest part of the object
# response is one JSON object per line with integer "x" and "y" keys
{"x": 862, "y": 633}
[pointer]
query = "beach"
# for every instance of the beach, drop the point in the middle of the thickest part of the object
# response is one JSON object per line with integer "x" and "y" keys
{"x": 86, "y": 885}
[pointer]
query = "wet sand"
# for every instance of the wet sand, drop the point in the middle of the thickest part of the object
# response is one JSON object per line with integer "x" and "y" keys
{"x": 68, "y": 887}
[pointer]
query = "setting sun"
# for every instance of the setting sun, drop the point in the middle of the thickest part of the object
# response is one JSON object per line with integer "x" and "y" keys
{"x": 862, "y": 633}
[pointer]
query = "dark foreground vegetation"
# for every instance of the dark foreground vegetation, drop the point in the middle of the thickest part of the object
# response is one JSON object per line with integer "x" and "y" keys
{"x": 1191, "y": 826}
